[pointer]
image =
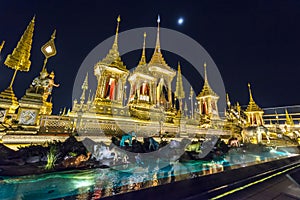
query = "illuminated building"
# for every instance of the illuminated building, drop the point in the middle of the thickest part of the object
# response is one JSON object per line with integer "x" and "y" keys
{"x": 149, "y": 111}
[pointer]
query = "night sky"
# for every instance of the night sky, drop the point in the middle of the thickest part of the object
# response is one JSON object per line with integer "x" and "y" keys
{"x": 250, "y": 41}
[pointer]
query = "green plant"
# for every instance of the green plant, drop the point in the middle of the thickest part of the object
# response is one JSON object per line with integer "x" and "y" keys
{"x": 51, "y": 158}
{"x": 73, "y": 154}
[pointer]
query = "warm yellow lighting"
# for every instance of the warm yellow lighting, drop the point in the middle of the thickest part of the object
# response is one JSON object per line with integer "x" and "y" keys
{"x": 49, "y": 49}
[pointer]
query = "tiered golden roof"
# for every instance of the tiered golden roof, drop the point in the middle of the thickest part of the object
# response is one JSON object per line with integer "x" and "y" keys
{"x": 8, "y": 100}
{"x": 19, "y": 59}
{"x": 206, "y": 90}
{"x": 252, "y": 106}
{"x": 113, "y": 59}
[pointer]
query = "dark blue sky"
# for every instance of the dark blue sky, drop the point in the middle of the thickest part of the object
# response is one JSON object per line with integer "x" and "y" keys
{"x": 250, "y": 41}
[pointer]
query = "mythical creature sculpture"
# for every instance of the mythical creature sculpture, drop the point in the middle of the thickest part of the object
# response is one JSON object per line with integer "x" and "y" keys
{"x": 153, "y": 145}
{"x": 127, "y": 136}
{"x": 102, "y": 152}
{"x": 194, "y": 147}
{"x": 119, "y": 155}
{"x": 43, "y": 84}
{"x": 233, "y": 142}
{"x": 174, "y": 144}
{"x": 76, "y": 161}
{"x": 236, "y": 115}
{"x": 255, "y": 131}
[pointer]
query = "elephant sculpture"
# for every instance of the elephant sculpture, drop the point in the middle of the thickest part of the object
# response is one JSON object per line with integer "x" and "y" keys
{"x": 255, "y": 131}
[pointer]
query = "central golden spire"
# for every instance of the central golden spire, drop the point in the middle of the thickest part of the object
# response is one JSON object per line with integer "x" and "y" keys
{"x": 157, "y": 57}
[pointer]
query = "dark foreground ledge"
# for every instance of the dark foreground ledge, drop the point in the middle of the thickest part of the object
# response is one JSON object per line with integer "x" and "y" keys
{"x": 202, "y": 187}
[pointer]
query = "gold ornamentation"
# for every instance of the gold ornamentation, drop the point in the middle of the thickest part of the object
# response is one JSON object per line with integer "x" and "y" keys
{"x": 179, "y": 92}
{"x": 49, "y": 49}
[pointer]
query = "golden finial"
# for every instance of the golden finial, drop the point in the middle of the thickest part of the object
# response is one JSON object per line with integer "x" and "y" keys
{"x": 115, "y": 45}
{"x": 287, "y": 115}
{"x": 227, "y": 99}
{"x": 157, "y": 46}
{"x": 89, "y": 97}
{"x": 2, "y": 45}
{"x": 85, "y": 83}
{"x": 191, "y": 92}
{"x": 205, "y": 72}
{"x": 53, "y": 34}
{"x": 143, "y": 58}
{"x": 238, "y": 108}
{"x": 84, "y": 87}
{"x": 250, "y": 92}
{"x": 289, "y": 119}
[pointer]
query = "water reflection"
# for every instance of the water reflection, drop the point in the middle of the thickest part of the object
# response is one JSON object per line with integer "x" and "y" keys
{"x": 96, "y": 183}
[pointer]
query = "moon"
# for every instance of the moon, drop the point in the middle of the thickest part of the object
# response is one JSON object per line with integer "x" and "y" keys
{"x": 180, "y": 21}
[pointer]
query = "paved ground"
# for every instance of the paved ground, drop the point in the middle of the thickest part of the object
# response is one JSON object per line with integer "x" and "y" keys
{"x": 277, "y": 188}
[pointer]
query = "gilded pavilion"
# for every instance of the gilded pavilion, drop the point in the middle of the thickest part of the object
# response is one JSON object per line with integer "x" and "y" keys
{"x": 150, "y": 110}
